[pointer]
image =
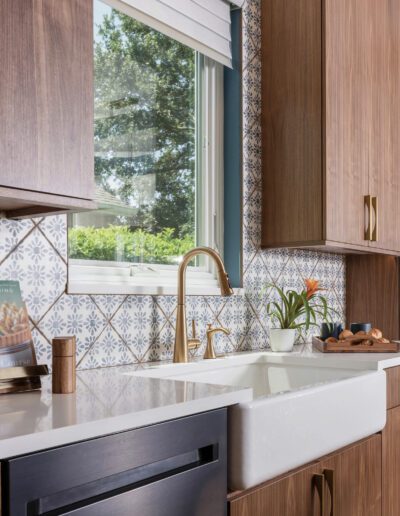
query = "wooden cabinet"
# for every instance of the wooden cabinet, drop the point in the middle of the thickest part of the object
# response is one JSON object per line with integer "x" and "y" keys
{"x": 293, "y": 495}
{"x": 359, "y": 479}
{"x": 330, "y": 124}
{"x": 176, "y": 468}
{"x": 379, "y": 275}
{"x": 46, "y": 106}
{"x": 391, "y": 463}
{"x": 347, "y": 483}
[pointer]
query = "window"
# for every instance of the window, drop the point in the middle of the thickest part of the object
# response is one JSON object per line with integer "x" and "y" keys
{"x": 158, "y": 135}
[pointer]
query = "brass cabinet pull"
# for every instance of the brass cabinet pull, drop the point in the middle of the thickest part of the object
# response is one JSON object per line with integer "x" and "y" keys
{"x": 368, "y": 205}
{"x": 329, "y": 475}
{"x": 319, "y": 483}
{"x": 374, "y": 234}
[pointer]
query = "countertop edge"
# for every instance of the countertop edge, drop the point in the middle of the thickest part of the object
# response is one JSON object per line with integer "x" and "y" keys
{"x": 36, "y": 442}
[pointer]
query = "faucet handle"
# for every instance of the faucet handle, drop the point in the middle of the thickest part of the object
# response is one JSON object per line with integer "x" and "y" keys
{"x": 194, "y": 342}
{"x": 210, "y": 351}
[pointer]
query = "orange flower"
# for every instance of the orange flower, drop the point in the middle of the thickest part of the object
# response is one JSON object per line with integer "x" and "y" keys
{"x": 312, "y": 287}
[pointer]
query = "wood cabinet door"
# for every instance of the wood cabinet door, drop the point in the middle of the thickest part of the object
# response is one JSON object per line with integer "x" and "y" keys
{"x": 294, "y": 495}
{"x": 391, "y": 464}
{"x": 348, "y": 115}
{"x": 291, "y": 70}
{"x": 46, "y": 102}
{"x": 385, "y": 133}
{"x": 355, "y": 486}
{"x": 351, "y": 486}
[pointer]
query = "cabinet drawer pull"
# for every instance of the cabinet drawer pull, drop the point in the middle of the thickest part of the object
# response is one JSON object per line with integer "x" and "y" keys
{"x": 374, "y": 234}
{"x": 319, "y": 483}
{"x": 368, "y": 206}
{"x": 329, "y": 475}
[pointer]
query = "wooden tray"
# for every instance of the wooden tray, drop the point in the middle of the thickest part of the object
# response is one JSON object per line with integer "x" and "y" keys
{"x": 353, "y": 345}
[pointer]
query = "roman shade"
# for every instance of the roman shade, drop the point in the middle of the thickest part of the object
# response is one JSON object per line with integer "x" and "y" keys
{"x": 204, "y": 25}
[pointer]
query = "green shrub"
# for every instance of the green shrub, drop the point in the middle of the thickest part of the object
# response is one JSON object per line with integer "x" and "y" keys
{"x": 119, "y": 243}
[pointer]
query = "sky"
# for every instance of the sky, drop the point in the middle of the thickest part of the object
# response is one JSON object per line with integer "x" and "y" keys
{"x": 100, "y": 9}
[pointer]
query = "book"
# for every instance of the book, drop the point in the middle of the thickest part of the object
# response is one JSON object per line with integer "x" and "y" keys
{"x": 16, "y": 343}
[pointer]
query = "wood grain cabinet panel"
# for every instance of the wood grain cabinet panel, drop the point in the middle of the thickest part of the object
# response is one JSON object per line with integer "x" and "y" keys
{"x": 385, "y": 136}
{"x": 330, "y": 124}
{"x": 351, "y": 486}
{"x": 46, "y": 105}
{"x": 391, "y": 463}
{"x": 393, "y": 388}
{"x": 359, "y": 479}
{"x": 380, "y": 276}
{"x": 291, "y": 120}
{"x": 293, "y": 495}
{"x": 347, "y": 118}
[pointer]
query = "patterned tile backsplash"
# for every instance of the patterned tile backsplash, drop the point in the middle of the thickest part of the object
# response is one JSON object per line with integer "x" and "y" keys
{"x": 116, "y": 329}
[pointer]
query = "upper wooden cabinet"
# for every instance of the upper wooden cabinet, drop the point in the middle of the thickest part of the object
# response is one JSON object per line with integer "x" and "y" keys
{"x": 331, "y": 124}
{"x": 46, "y": 106}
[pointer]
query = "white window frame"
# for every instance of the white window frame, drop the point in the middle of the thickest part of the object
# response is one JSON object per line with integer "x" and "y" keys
{"x": 103, "y": 277}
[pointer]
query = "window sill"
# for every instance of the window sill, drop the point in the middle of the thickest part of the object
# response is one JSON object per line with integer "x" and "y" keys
{"x": 113, "y": 278}
{"x": 99, "y": 288}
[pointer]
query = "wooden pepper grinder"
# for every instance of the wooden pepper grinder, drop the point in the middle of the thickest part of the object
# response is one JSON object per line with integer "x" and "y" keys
{"x": 64, "y": 365}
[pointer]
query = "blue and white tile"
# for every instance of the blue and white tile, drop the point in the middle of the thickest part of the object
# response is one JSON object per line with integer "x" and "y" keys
{"x": 43, "y": 348}
{"x": 109, "y": 304}
{"x": 162, "y": 347}
{"x": 252, "y": 19}
{"x": 11, "y": 233}
{"x": 250, "y": 242}
{"x": 236, "y": 316}
{"x": 41, "y": 273}
{"x": 290, "y": 278}
{"x": 306, "y": 262}
{"x": 256, "y": 338}
{"x": 12, "y": 269}
{"x": 167, "y": 305}
{"x": 135, "y": 322}
{"x": 256, "y": 276}
{"x": 74, "y": 315}
{"x": 108, "y": 350}
{"x": 327, "y": 271}
{"x": 55, "y": 229}
{"x": 216, "y": 303}
{"x": 197, "y": 309}
{"x": 252, "y": 216}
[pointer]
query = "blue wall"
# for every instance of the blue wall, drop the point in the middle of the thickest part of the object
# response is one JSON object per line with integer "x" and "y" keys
{"x": 233, "y": 157}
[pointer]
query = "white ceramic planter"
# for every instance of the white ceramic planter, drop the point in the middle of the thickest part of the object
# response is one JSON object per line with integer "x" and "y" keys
{"x": 282, "y": 340}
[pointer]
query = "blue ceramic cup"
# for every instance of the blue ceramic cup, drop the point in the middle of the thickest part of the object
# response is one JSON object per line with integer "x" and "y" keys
{"x": 360, "y": 326}
{"x": 331, "y": 330}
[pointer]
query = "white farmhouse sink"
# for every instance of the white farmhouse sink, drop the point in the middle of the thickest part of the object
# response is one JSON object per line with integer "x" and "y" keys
{"x": 299, "y": 412}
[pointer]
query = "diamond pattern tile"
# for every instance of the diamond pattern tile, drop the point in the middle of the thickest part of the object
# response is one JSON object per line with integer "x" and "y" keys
{"x": 115, "y": 329}
{"x": 108, "y": 350}
{"x": 55, "y": 230}
{"x": 12, "y": 233}
{"x": 74, "y": 315}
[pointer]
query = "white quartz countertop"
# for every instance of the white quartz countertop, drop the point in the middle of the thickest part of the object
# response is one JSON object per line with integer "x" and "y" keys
{"x": 364, "y": 361}
{"x": 112, "y": 399}
{"x": 106, "y": 400}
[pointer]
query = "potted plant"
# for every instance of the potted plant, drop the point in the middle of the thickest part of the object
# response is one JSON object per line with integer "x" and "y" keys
{"x": 295, "y": 310}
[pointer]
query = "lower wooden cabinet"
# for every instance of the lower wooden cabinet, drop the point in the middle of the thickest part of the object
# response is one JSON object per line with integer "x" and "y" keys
{"x": 347, "y": 483}
{"x": 294, "y": 495}
{"x": 358, "y": 478}
{"x": 391, "y": 463}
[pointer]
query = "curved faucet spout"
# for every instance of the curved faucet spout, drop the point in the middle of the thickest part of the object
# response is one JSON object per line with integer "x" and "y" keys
{"x": 181, "y": 340}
